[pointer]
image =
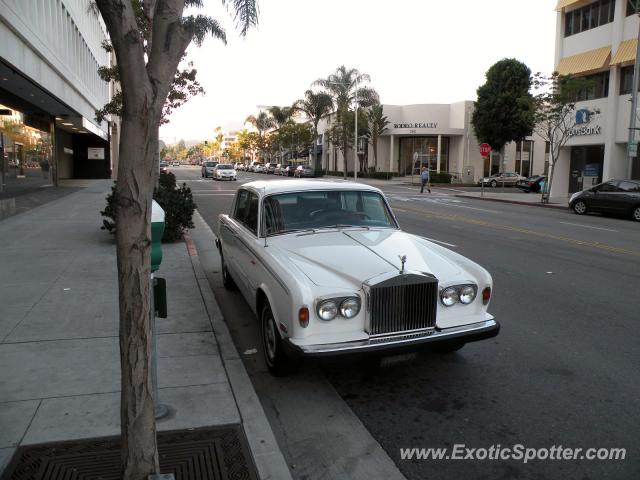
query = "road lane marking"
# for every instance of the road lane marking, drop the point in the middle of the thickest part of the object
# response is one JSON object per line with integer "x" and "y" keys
{"x": 588, "y": 226}
{"x": 440, "y": 241}
{"x": 549, "y": 236}
{"x": 214, "y": 194}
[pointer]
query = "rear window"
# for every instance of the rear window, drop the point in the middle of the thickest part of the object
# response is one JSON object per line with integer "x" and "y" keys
{"x": 211, "y": 164}
{"x": 225, "y": 167}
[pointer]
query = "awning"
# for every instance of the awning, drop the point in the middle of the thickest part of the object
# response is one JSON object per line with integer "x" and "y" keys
{"x": 570, "y": 3}
{"x": 585, "y": 62}
{"x": 626, "y": 52}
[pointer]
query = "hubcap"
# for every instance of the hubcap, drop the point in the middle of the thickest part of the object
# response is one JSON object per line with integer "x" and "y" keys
{"x": 580, "y": 207}
{"x": 636, "y": 214}
{"x": 270, "y": 338}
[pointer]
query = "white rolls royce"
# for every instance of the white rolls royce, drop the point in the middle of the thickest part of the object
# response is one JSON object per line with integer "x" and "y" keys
{"x": 328, "y": 271}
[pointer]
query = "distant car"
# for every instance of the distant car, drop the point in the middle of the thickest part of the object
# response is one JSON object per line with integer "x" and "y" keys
{"x": 287, "y": 171}
{"x": 621, "y": 197}
{"x": 224, "y": 171}
{"x": 303, "y": 171}
{"x": 175, "y": 164}
{"x": 270, "y": 168}
{"x": 532, "y": 184}
{"x": 508, "y": 179}
{"x": 207, "y": 169}
{"x": 163, "y": 167}
{"x": 258, "y": 168}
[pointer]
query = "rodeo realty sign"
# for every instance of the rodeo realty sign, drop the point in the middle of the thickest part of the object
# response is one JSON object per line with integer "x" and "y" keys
{"x": 416, "y": 125}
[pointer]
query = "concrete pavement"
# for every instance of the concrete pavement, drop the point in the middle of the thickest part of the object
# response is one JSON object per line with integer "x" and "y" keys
{"x": 59, "y": 354}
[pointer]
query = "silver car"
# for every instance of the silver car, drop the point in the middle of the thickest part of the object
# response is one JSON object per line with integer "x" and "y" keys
{"x": 508, "y": 179}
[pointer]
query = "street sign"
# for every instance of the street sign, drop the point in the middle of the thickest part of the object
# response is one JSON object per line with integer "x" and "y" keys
{"x": 485, "y": 149}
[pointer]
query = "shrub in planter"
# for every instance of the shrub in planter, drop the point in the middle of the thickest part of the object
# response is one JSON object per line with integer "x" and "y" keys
{"x": 178, "y": 206}
{"x": 440, "y": 178}
{"x": 177, "y": 203}
{"x": 381, "y": 175}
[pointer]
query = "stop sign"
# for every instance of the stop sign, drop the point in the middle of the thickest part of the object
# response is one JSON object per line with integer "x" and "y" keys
{"x": 485, "y": 149}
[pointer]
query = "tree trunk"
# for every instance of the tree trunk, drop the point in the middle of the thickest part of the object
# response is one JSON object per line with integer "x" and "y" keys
{"x": 138, "y": 146}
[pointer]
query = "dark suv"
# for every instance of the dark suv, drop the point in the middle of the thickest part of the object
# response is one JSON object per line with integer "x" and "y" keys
{"x": 620, "y": 197}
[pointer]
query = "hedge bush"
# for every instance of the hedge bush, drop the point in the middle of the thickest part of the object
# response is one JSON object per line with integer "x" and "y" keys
{"x": 177, "y": 203}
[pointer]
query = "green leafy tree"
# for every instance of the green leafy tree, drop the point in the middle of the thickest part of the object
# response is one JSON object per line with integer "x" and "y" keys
{"x": 555, "y": 115}
{"x": 504, "y": 111}
{"x": 149, "y": 39}
{"x": 344, "y": 87}
{"x": 376, "y": 125}
{"x": 315, "y": 106}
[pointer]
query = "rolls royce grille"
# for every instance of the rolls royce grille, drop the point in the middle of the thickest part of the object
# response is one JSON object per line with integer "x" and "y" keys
{"x": 402, "y": 307}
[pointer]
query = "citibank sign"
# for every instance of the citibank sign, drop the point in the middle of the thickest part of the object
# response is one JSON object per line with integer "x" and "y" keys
{"x": 585, "y": 131}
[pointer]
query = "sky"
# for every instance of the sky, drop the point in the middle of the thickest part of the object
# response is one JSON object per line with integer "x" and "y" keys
{"x": 415, "y": 51}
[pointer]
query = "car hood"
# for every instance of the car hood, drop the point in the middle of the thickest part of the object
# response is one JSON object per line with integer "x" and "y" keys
{"x": 345, "y": 259}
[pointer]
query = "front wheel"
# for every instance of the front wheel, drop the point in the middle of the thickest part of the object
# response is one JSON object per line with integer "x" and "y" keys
{"x": 278, "y": 362}
{"x": 580, "y": 207}
{"x": 636, "y": 214}
{"x": 494, "y": 184}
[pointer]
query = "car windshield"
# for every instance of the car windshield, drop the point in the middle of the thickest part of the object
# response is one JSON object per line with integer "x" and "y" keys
{"x": 211, "y": 164}
{"x": 225, "y": 167}
{"x": 290, "y": 212}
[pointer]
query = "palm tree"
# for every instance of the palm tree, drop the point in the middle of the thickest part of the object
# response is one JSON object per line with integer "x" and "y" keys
{"x": 281, "y": 115}
{"x": 343, "y": 86}
{"x": 376, "y": 125}
{"x": 262, "y": 122}
{"x": 315, "y": 106}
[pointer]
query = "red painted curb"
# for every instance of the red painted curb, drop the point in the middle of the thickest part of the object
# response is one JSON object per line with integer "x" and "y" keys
{"x": 191, "y": 247}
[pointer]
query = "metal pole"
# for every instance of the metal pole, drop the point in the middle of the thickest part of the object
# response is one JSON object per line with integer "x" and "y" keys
{"x": 634, "y": 102}
{"x": 356, "y": 160}
{"x": 160, "y": 410}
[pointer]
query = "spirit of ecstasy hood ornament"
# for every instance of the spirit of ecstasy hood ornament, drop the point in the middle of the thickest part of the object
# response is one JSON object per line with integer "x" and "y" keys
{"x": 403, "y": 259}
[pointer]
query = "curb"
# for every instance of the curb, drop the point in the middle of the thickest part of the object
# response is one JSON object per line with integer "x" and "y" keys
{"x": 266, "y": 452}
{"x": 514, "y": 202}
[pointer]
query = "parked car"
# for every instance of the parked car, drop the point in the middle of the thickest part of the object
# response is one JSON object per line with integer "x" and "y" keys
{"x": 224, "y": 171}
{"x": 303, "y": 171}
{"x": 532, "y": 184}
{"x": 287, "y": 170}
{"x": 164, "y": 167}
{"x": 207, "y": 168}
{"x": 269, "y": 168}
{"x": 621, "y": 197}
{"x": 328, "y": 271}
{"x": 258, "y": 168}
{"x": 175, "y": 164}
{"x": 278, "y": 169}
{"x": 508, "y": 179}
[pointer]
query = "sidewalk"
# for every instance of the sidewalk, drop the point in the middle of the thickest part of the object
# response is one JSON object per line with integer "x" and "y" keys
{"x": 531, "y": 199}
{"x": 59, "y": 354}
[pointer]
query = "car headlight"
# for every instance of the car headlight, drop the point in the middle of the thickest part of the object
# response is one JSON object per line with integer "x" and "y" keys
{"x": 467, "y": 294}
{"x": 327, "y": 310}
{"x": 449, "y": 296}
{"x": 350, "y": 307}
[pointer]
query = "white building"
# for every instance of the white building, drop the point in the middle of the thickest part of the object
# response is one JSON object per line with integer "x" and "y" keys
{"x": 597, "y": 39}
{"x": 50, "y": 51}
{"x": 439, "y": 136}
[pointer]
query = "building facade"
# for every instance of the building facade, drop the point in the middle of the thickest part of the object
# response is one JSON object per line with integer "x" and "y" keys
{"x": 439, "y": 136}
{"x": 49, "y": 91}
{"x": 597, "y": 39}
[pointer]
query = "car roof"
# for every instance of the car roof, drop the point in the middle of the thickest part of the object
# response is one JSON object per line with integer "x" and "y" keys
{"x": 285, "y": 186}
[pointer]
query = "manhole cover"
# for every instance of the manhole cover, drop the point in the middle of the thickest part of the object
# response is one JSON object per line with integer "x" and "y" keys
{"x": 212, "y": 453}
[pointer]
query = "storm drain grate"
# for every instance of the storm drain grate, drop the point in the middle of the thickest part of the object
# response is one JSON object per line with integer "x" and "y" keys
{"x": 211, "y": 453}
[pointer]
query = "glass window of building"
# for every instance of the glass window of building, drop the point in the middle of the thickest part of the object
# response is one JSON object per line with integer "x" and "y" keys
{"x": 626, "y": 80}
{"x": 524, "y": 157}
{"x": 631, "y": 7}
{"x": 599, "y": 87}
{"x": 416, "y": 152}
{"x": 26, "y": 155}
{"x": 588, "y": 17}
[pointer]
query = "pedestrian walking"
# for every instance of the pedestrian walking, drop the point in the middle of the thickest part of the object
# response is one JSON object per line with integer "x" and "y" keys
{"x": 424, "y": 177}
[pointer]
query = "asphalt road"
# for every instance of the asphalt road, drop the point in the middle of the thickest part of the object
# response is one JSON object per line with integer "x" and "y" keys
{"x": 563, "y": 371}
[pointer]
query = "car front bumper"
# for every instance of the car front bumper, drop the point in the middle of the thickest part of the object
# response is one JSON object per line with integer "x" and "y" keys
{"x": 465, "y": 333}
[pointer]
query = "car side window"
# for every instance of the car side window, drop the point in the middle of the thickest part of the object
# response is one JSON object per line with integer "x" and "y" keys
{"x": 629, "y": 186}
{"x": 251, "y": 219}
{"x": 242, "y": 201}
{"x": 608, "y": 187}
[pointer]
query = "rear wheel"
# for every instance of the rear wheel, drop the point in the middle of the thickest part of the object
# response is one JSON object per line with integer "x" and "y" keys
{"x": 278, "y": 362}
{"x": 494, "y": 184}
{"x": 636, "y": 214}
{"x": 580, "y": 207}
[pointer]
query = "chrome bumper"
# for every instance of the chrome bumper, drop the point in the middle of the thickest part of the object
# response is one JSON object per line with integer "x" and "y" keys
{"x": 466, "y": 333}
